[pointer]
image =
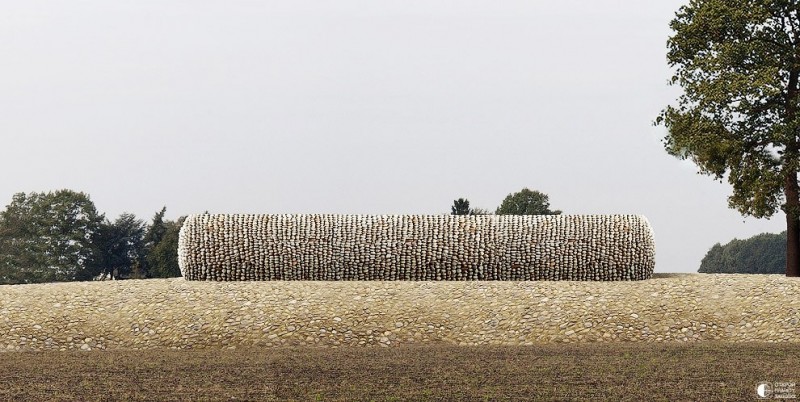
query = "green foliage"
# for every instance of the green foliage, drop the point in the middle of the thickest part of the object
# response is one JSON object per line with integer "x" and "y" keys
{"x": 59, "y": 236}
{"x": 761, "y": 254}
{"x": 460, "y": 207}
{"x": 526, "y": 202}
{"x": 121, "y": 245}
{"x": 156, "y": 230}
{"x": 162, "y": 258}
{"x": 738, "y": 63}
{"x": 46, "y": 237}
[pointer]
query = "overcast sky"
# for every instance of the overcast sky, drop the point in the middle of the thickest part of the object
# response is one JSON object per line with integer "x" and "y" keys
{"x": 373, "y": 107}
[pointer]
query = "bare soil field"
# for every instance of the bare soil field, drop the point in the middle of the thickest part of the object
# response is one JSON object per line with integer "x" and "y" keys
{"x": 625, "y": 371}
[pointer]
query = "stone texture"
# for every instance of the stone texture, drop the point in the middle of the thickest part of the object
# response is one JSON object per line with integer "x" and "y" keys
{"x": 416, "y": 247}
{"x": 174, "y": 313}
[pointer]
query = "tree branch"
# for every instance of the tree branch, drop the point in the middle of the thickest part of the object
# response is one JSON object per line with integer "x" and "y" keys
{"x": 793, "y": 30}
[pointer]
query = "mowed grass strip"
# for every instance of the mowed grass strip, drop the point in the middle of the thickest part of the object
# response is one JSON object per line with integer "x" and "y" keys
{"x": 706, "y": 371}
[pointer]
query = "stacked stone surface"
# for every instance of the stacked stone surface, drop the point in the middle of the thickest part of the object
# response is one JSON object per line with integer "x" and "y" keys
{"x": 175, "y": 313}
{"x": 416, "y": 247}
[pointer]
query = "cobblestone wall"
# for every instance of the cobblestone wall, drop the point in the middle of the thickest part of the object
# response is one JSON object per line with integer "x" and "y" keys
{"x": 175, "y": 313}
{"x": 416, "y": 247}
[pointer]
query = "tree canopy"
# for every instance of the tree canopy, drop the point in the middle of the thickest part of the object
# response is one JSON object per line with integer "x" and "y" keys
{"x": 47, "y": 237}
{"x": 738, "y": 63}
{"x": 526, "y": 202}
{"x": 121, "y": 246}
{"x": 59, "y": 236}
{"x": 162, "y": 258}
{"x": 156, "y": 230}
{"x": 761, "y": 254}
{"x": 460, "y": 207}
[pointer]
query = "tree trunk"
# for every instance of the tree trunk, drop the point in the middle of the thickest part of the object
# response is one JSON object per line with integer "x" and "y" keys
{"x": 791, "y": 190}
{"x": 792, "y": 209}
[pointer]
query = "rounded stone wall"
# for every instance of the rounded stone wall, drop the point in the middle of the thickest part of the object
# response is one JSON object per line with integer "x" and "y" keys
{"x": 416, "y": 247}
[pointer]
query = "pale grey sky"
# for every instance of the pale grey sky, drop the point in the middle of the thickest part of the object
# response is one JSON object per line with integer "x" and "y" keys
{"x": 375, "y": 107}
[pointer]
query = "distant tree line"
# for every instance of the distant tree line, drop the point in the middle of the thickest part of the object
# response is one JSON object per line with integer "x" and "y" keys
{"x": 60, "y": 236}
{"x": 761, "y": 254}
{"x": 523, "y": 202}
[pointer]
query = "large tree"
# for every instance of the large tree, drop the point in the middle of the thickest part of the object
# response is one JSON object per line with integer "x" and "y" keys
{"x": 46, "y": 237}
{"x": 738, "y": 63}
{"x": 121, "y": 245}
{"x": 161, "y": 245}
{"x": 526, "y": 202}
{"x": 162, "y": 258}
{"x": 153, "y": 236}
{"x": 155, "y": 232}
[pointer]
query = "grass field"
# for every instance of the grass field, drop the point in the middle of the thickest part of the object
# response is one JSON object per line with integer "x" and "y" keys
{"x": 702, "y": 371}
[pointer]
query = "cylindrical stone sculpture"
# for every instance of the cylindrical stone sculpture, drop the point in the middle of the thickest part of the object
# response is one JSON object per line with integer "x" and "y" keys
{"x": 416, "y": 247}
